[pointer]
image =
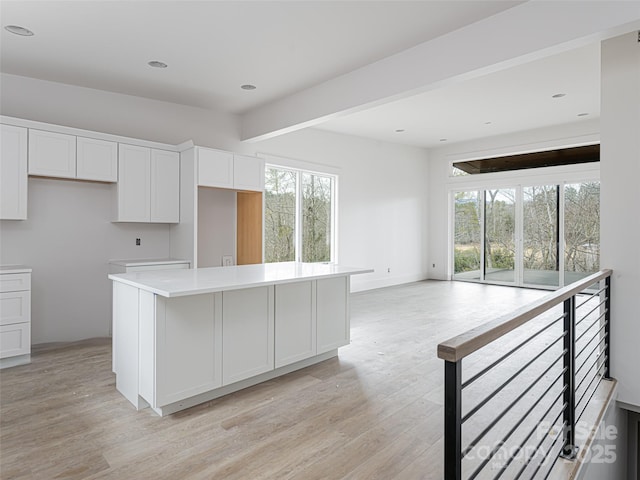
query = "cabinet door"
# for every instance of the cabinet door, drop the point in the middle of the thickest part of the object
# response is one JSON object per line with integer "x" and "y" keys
{"x": 52, "y": 154}
{"x": 332, "y": 313}
{"x": 188, "y": 346}
{"x": 248, "y": 173}
{"x": 13, "y": 173}
{"x": 97, "y": 160}
{"x": 165, "y": 186}
{"x": 15, "y": 340}
{"x": 215, "y": 168}
{"x": 15, "y": 307}
{"x": 295, "y": 323}
{"x": 134, "y": 184}
{"x": 247, "y": 333}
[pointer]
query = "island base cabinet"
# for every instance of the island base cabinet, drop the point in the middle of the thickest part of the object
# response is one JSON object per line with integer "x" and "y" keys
{"x": 295, "y": 322}
{"x": 248, "y": 332}
{"x": 333, "y": 325}
{"x": 188, "y": 346}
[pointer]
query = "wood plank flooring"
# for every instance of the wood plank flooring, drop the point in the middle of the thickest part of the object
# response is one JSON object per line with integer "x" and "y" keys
{"x": 373, "y": 413}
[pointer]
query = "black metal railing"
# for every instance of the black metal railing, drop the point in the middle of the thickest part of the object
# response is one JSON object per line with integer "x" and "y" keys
{"x": 530, "y": 379}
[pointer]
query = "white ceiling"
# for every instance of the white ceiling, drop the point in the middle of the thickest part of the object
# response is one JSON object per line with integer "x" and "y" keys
{"x": 286, "y": 47}
{"x": 519, "y": 98}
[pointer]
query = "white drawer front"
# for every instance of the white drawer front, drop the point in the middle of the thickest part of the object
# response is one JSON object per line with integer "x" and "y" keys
{"x": 14, "y": 282}
{"x": 15, "y": 340}
{"x": 15, "y": 307}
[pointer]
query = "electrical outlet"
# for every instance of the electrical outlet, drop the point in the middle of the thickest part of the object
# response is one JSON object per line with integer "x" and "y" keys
{"x": 138, "y": 241}
{"x": 433, "y": 266}
{"x": 227, "y": 260}
{"x": 388, "y": 269}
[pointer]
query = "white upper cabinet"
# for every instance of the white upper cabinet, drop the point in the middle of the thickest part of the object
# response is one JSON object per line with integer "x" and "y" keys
{"x": 148, "y": 185}
{"x": 248, "y": 173}
{"x": 134, "y": 184}
{"x": 97, "y": 160}
{"x": 13, "y": 173}
{"x": 52, "y": 154}
{"x": 217, "y": 168}
{"x": 61, "y": 155}
{"x": 165, "y": 186}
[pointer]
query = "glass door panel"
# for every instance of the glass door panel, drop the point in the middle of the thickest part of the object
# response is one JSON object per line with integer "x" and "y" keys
{"x": 581, "y": 230}
{"x": 500, "y": 227}
{"x": 279, "y": 215}
{"x": 467, "y": 233}
{"x": 540, "y": 259}
{"x": 316, "y": 218}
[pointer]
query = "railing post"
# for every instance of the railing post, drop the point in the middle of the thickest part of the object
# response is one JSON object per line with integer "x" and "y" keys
{"x": 569, "y": 450}
{"x": 607, "y": 329}
{"x": 453, "y": 420}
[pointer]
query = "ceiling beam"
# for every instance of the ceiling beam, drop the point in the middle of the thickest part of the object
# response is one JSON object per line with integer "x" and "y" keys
{"x": 526, "y": 32}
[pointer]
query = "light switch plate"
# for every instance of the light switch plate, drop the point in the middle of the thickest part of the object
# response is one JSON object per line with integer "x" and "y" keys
{"x": 227, "y": 260}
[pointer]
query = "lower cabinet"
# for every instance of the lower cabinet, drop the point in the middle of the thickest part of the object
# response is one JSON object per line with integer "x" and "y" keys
{"x": 188, "y": 346}
{"x": 332, "y": 299}
{"x": 247, "y": 332}
{"x": 295, "y": 320}
{"x": 15, "y": 315}
{"x": 185, "y": 346}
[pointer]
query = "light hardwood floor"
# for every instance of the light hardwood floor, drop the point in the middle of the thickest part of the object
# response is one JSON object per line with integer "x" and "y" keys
{"x": 373, "y": 413}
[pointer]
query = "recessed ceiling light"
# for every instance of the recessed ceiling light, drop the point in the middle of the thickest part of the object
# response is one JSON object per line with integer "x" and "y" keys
{"x": 248, "y": 86}
{"x": 18, "y": 30}
{"x": 583, "y": 114}
{"x": 559, "y": 95}
{"x": 400, "y": 130}
{"x": 443, "y": 139}
{"x": 157, "y": 64}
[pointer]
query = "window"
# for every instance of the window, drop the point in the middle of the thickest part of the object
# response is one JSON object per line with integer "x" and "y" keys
{"x": 299, "y": 215}
{"x": 544, "y": 236}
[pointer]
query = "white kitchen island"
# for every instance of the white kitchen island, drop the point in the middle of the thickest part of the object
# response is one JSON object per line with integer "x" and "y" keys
{"x": 183, "y": 337}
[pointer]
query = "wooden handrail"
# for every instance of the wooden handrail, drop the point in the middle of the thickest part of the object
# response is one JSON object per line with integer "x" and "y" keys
{"x": 458, "y": 347}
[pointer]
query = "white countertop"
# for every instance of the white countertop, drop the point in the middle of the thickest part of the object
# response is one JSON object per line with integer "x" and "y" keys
{"x": 147, "y": 261}
{"x": 14, "y": 269}
{"x": 176, "y": 283}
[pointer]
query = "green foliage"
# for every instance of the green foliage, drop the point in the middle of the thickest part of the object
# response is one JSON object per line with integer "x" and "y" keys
{"x": 466, "y": 260}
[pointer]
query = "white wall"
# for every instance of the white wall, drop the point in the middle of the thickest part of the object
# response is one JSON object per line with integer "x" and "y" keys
{"x": 608, "y": 453}
{"x": 69, "y": 238}
{"x": 106, "y": 112}
{"x": 216, "y": 226}
{"x": 620, "y": 199}
{"x": 440, "y": 181}
{"x": 382, "y": 218}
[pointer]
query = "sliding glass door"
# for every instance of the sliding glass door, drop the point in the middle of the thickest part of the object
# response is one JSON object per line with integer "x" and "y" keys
{"x": 581, "y": 230}
{"x": 540, "y": 235}
{"x": 544, "y": 236}
{"x": 467, "y": 245}
{"x": 500, "y": 235}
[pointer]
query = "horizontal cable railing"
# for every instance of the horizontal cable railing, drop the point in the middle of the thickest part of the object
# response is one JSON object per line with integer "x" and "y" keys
{"x": 528, "y": 379}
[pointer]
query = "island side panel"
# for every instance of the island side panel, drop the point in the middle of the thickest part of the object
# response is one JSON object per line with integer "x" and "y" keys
{"x": 147, "y": 346}
{"x": 125, "y": 341}
{"x": 333, "y": 316}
